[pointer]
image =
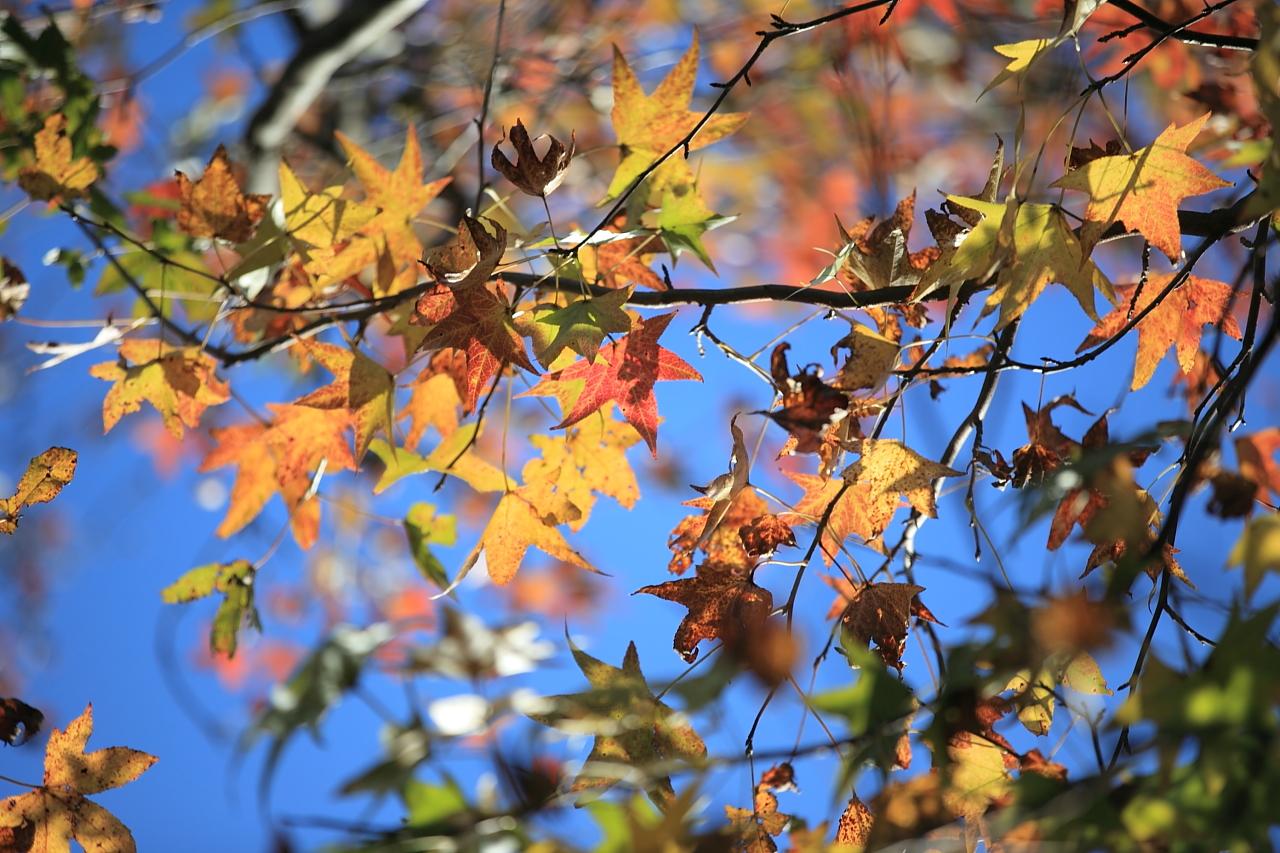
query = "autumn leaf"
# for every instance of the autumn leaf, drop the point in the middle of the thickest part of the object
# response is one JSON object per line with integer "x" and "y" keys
{"x": 1256, "y": 454}
{"x": 871, "y": 359}
{"x": 281, "y": 457}
{"x": 424, "y": 527}
{"x": 1257, "y": 550}
{"x": 455, "y": 455}
{"x": 433, "y": 402}
{"x": 889, "y": 471}
{"x": 1043, "y": 249}
{"x": 586, "y": 459}
{"x": 757, "y": 826}
{"x": 235, "y": 581}
{"x": 45, "y": 477}
{"x": 874, "y": 255}
{"x": 808, "y": 406}
{"x": 59, "y": 809}
{"x": 851, "y": 515}
{"x": 398, "y": 195}
{"x": 976, "y": 775}
{"x": 724, "y": 603}
{"x": 1176, "y": 321}
{"x": 19, "y": 722}
{"x": 580, "y": 326}
{"x": 1036, "y": 692}
{"x": 880, "y": 613}
{"x": 1142, "y": 190}
{"x": 215, "y": 206}
{"x": 361, "y": 386}
{"x": 470, "y": 257}
{"x": 725, "y": 546}
{"x": 621, "y": 262}
{"x": 319, "y": 220}
{"x": 534, "y": 175}
{"x": 1021, "y": 56}
{"x": 763, "y": 534}
{"x": 516, "y": 526}
{"x": 624, "y": 372}
{"x": 179, "y": 382}
{"x": 55, "y": 174}
{"x": 650, "y": 125}
{"x": 633, "y": 729}
{"x": 478, "y": 322}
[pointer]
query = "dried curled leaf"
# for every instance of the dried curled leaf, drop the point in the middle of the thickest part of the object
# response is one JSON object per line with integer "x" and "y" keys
{"x": 44, "y": 478}
{"x": 470, "y": 257}
{"x": 19, "y": 722}
{"x": 534, "y": 175}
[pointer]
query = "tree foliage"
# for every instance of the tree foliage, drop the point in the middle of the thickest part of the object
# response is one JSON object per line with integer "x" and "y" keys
{"x": 441, "y": 366}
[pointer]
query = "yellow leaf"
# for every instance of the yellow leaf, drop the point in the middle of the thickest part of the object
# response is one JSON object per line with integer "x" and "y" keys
{"x": 650, "y": 125}
{"x": 361, "y": 386}
{"x": 178, "y": 381}
{"x": 1257, "y": 550}
{"x": 890, "y": 470}
{"x": 434, "y": 402}
{"x": 1142, "y": 190}
{"x": 515, "y": 527}
{"x": 1021, "y": 54}
{"x": 54, "y": 174}
{"x": 44, "y": 478}
{"x": 455, "y": 455}
{"x": 58, "y": 810}
{"x": 323, "y": 218}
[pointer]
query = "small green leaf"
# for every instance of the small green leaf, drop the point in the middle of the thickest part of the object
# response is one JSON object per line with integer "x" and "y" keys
{"x": 424, "y": 528}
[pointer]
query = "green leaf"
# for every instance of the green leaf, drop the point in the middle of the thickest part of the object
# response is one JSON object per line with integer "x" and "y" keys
{"x": 430, "y": 805}
{"x": 454, "y": 456}
{"x": 235, "y": 581}
{"x": 424, "y": 528}
{"x": 684, "y": 218}
{"x": 580, "y": 326}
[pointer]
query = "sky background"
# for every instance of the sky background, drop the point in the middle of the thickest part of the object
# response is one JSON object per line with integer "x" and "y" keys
{"x": 124, "y": 529}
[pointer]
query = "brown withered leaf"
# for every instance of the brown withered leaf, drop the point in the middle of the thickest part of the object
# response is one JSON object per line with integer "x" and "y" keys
{"x": 1233, "y": 494}
{"x": 724, "y": 604}
{"x": 534, "y": 175}
{"x": 1047, "y": 448}
{"x": 809, "y": 405}
{"x": 908, "y": 810}
{"x": 872, "y": 357}
{"x": 880, "y": 613}
{"x": 470, "y": 257}
{"x": 1081, "y": 156}
{"x": 875, "y": 254}
{"x": 764, "y": 534}
{"x": 1114, "y": 551}
{"x": 1256, "y": 454}
{"x": 19, "y": 722}
{"x": 14, "y": 289}
{"x": 724, "y": 547}
{"x": 215, "y": 206}
{"x": 756, "y": 828}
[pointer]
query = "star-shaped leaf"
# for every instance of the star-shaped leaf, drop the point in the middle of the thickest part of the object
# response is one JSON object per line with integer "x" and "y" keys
{"x": 890, "y": 471}
{"x": 1177, "y": 321}
{"x": 534, "y": 175}
{"x": 281, "y": 457}
{"x": 178, "y": 381}
{"x": 55, "y": 173}
{"x": 580, "y": 326}
{"x": 1042, "y": 249}
{"x": 516, "y": 526}
{"x": 48, "y": 817}
{"x": 361, "y": 386}
{"x": 852, "y": 514}
{"x": 624, "y": 372}
{"x": 433, "y": 402}
{"x": 650, "y": 125}
{"x": 478, "y": 322}
{"x": 320, "y": 219}
{"x": 399, "y": 196}
{"x": 215, "y": 206}
{"x": 724, "y": 604}
{"x": 1142, "y": 190}
{"x": 455, "y": 455}
{"x": 633, "y": 728}
{"x": 43, "y": 480}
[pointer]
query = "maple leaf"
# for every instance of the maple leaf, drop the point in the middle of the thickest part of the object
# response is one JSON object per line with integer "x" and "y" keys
{"x": 399, "y": 195}
{"x": 45, "y": 477}
{"x": 1177, "y": 321}
{"x": 724, "y": 604}
{"x": 320, "y": 219}
{"x": 621, "y": 262}
{"x": 875, "y": 256}
{"x": 855, "y": 824}
{"x": 1142, "y": 190}
{"x": 54, "y": 174}
{"x": 871, "y": 359}
{"x": 454, "y": 456}
{"x": 763, "y": 534}
{"x": 1043, "y": 249}
{"x": 889, "y": 470}
{"x": 178, "y": 381}
{"x": 281, "y": 457}
{"x": 1257, "y": 551}
{"x": 517, "y": 525}
{"x": 755, "y": 827}
{"x": 534, "y": 175}
{"x": 59, "y": 809}
{"x": 586, "y": 459}
{"x": 808, "y": 407}
{"x": 977, "y": 776}
{"x": 215, "y": 206}
{"x": 580, "y": 326}
{"x": 1021, "y": 55}
{"x": 624, "y": 372}
{"x": 362, "y": 387}
{"x": 850, "y": 516}
{"x": 235, "y": 580}
{"x": 650, "y": 125}
{"x": 1257, "y": 458}
{"x": 433, "y": 402}
{"x": 470, "y": 257}
{"x": 633, "y": 728}
{"x": 880, "y": 613}
{"x": 478, "y": 322}
{"x": 1035, "y": 693}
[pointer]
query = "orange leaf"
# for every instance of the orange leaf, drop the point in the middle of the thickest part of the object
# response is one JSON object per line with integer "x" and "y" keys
{"x": 215, "y": 206}
{"x": 362, "y": 386}
{"x": 178, "y": 381}
{"x": 54, "y": 174}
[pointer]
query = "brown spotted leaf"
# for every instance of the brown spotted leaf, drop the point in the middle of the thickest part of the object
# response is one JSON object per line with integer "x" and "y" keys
{"x": 44, "y": 478}
{"x": 55, "y": 173}
{"x": 179, "y": 382}
{"x": 215, "y": 206}
{"x": 880, "y": 613}
{"x": 724, "y": 604}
